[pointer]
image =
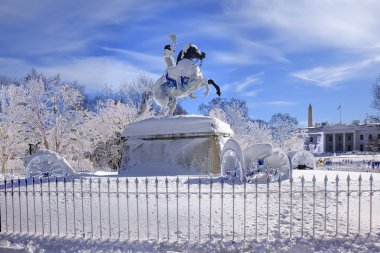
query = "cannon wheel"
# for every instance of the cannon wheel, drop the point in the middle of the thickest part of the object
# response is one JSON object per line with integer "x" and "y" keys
{"x": 48, "y": 164}
{"x": 232, "y": 162}
{"x": 278, "y": 164}
{"x": 303, "y": 160}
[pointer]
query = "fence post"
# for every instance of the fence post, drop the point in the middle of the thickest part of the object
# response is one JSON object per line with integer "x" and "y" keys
{"x": 302, "y": 203}
{"x": 336, "y": 203}
{"x": 65, "y": 194}
{"x": 6, "y": 205}
{"x": 188, "y": 208}
{"x": 100, "y": 209}
{"x": 137, "y": 208}
{"x": 81, "y": 195}
{"x": 74, "y": 211}
{"x": 314, "y": 180}
{"x": 128, "y": 224}
{"x": 348, "y": 204}
{"x": 1, "y": 230}
{"x": 279, "y": 206}
{"x": 13, "y": 207}
{"x": 109, "y": 208}
{"x": 267, "y": 206}
{"x": 233, "y": 209}
{"x": 210, "y": 208}
{"x": 49, "y": 198}
{"x": 34, "y": 206}
{"x": 157, "y": 224}
{"x": 167, "y": 208}
{"x": 147, "y": 206}
{"x": 42, "y": 207}
{"x": 291, "y": 206}
{"x": 199, "y": 209}
{"x": 19, "y": 201}
{"x": 57, "y": 200}
{"x": 256, "y": 196}
{"x": 325, "y": 206}
{"x": 177, "y": 196}
{"x": 91, "y": 219}
{"x": 27, "y": 205}
{"x": 118, "y": 205}
{"x": 221, "y": 207}
{"x": 360, "y": 196}
{"x": 245, "y": 210}
{"x": 370, "y": 203}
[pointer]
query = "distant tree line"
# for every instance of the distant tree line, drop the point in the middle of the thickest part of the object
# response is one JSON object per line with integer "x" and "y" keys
{"x": 282, "y": 129}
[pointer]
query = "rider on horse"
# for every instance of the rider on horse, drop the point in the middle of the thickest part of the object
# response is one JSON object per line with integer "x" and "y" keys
{"x": 182, "y": 78}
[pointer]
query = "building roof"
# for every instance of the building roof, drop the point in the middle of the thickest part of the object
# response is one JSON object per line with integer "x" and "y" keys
{"x": 343, "y": 128}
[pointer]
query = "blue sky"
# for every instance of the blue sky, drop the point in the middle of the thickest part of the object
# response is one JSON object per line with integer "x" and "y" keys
{"x": 278, "y": 56}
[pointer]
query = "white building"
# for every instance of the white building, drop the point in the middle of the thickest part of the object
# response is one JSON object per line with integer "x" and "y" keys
{"x": 341, "y": 138}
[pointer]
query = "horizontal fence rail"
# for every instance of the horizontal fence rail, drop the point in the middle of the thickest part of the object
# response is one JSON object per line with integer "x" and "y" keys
{"x": 192, "y": 209}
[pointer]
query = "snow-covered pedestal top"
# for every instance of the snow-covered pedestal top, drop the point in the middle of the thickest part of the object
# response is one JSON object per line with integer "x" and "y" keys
{"x": 177, "y": 126}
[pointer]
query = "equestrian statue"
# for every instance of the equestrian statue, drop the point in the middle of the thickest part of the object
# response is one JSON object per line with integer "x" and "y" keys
{"x": 181, "y": 78}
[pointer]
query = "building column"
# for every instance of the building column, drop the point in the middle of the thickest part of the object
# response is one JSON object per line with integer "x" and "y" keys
{"x": 334, "y": 143}
{"x": 323, "y": 143}
{"x": 354, "y": 143}
{"x": 344, "y": 142}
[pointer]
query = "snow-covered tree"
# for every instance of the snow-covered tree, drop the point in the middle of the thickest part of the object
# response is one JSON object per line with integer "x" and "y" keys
{"x": 375, "y": 101}
{"x": 235, "y": 113}
{"x": 225, "y": 104}
{"x": 12, "y": 142}
{"x": 285, "y": 132}
{"x": 103, "y": 130}
{"x": 50, "y": 111}
{"x": 43, "y": 111}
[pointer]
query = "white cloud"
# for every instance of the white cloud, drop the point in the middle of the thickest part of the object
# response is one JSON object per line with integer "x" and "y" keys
{"x": 14, "y": 68}
{"x": 92, "y": 72}
{"x": 297, "y": 25}
{"x": 151, "y": 60}
{"x": 330, "y": 77}
{"x": 278, "y": 103}
{"x": 60, "y": 26}
{"x": 249, "y": 81}
{"x": 241, "y": 87}
{"x": 251, "y": 93}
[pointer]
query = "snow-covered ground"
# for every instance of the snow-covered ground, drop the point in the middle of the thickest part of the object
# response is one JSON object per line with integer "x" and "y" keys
{"x": 16, "y": 243}
{"x": 147, "y": 223}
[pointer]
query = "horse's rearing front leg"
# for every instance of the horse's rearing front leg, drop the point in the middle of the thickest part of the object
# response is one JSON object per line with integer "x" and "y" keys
{"x": 217, "y": 88}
